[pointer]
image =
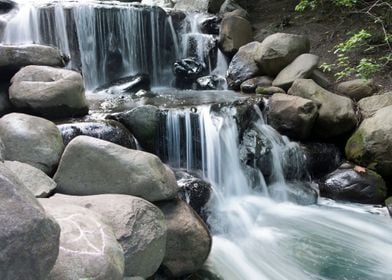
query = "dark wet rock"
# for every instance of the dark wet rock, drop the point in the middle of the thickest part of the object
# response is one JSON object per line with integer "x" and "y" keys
{"x": 371, "y": 144}
{"x": 250, "y": 86}
{"x": 188, "y": 69}
{"x": 109, "y": 130}
{"x": 6, "y": 6}
{"x": 243, "y": 66}
{"x": 5, "y": 104}
{"x": 212, "y": 82}
{"x": 194, "y": 191}
{"x": 136, "y": 173}
{"x": 293, "y": 163}
{"x": 355, "y": 184}
{"x": 235, "y": 32}
{"x": 143, "y": 124}
{"x": 211, "y": 25}
{"x": 279, "y": 50}
{"x": 130, "y": 84}
{"x": 208, "y": 55}
{"x": 31, "y": 140}
{"x": 14, "y": 57}
{"x": 29, "y": 238}
{"x": 357, "y": 89}
{"x": 188, "y": 239}
{"x": 291, "y": 115}
{"x": 49, "y": 92}
{"x": 321, "y": 158}
{"x": 270, "y": 90}
{"x": 88, "y": 247}
{"x": 138, "y": 226}
{"x": 336, "y": 113}
{"x": 36, "y": 181}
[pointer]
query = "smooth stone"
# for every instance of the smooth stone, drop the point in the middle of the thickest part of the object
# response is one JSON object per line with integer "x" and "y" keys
{"x": 336, "y": 113}
{"x": 321, "y": 79}
{"x": 36, "y": 181}
{"x": 370, "y": 105}
{"x": 88, "y": 247}
{"x": 357, "y": 89}
{"x": 291, "y": 115}
{"x": 250, "y": 86}
{"x": 31, "y": 140}
{"x": 269, "y": 90}
{"x": 29, "y": 238}
{"x": 115, "y": 170}
{"x": 138, "y": 226}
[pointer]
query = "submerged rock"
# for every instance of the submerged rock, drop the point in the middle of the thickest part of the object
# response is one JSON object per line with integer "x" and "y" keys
{"x": 371, "y": 145}
{"x": 36, "y": 181}
{"x": 336, "y": 113}
{"x": 31, "y": 140}
{"x": 29, "y": 238}
{"x": 109, "y": 130}
{"x": 138, "y": 226}
{"x": 49, "y": 92}
{"x": 188, "y": 239}
{"x": 115, "y": 170}
{"x": 279, "y": 50}
{"x": 354, "y": 184}
{"x": 14, "y": 57}
{"x": 88, "y": 247}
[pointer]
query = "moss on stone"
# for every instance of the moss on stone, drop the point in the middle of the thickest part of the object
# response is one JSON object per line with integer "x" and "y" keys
{"x": 355, "y": 147}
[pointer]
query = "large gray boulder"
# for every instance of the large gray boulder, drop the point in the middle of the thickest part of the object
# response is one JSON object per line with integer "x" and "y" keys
{"x": 88, "y": 247}
{"x": 336, "y": 113}
{"x": 279, "y": 50}
{"x": 35, "y": 180}
{"x": 188, "y": 239}
{"x": 109, "y": 130}
{"x": 292, "y": 115}
{"x": 143, "y": 122}
{"x": 354, "y": 184}
{"x": 370, "y": 105}
{"x": 14, "y": 57}
{"x": 91, "y": 166}
{"x": 301, "y": 68}
{"x": 49, "y": 92}
{"x": 31, "y": 140}
{"x": 235, "y": 32}
{"x": 371, "y": 144}
{"x": 29, "y": 238}
{"x": 138, "y": 225}
{"x": 357, "y": 89}
{"x": 243, "y": 65}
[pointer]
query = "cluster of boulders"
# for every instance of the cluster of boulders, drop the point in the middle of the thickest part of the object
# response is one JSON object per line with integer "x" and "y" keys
{"x": 77, "y": 199}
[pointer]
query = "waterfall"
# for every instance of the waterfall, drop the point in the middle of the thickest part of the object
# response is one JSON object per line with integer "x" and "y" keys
{"x": 258, "y": 233}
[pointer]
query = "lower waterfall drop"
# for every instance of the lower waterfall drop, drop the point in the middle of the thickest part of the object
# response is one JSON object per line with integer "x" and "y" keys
{"x": 258, "y": 233}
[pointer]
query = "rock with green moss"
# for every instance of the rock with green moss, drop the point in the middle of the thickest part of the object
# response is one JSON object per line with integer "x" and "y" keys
{"x": 355, "y": 184}
{"x": 371, "y": 144}
{"x": 336, "y": 113}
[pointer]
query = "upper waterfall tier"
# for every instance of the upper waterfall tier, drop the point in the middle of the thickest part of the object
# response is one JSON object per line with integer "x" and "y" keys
{"x": 105, "y": 40}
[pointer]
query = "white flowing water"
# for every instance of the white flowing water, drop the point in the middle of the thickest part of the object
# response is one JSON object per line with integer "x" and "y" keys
{"x": 257, "y": 235}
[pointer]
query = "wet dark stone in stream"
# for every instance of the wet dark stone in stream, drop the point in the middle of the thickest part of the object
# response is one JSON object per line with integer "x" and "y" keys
{"x": 211, "y": 82}
{"x": 211, "y": 25}
{"x": 188, "y": 69}
{"x": 6, "y": 6}
{"x": 109, "y": 130}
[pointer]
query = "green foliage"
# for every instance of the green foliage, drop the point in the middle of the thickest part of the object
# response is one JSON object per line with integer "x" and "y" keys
{"x": 374, "y": 46}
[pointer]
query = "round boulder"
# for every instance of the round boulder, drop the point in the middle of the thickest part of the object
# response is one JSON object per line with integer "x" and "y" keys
{"x": 88, "y": 247}
{"x": 371, "y": 144}
{"x": 40, "y": 184}
{"x": 49, "y": 92}
{"x": 336, "y": 113}
{"x": 370, "y": 105}
{"x": 188, "y": 240}
{"x": 292, "y": 115}
{"x": 354, "y": 184}
{"x": 29, "y": 239}
{"x": 106, "y": 168}
{"x": 357, "y": 89}
{"x": 279, "y": 50}
{"x": 138, "y": 225}
{"x": 234, "y": 33}
{"x": 31, "y": 140}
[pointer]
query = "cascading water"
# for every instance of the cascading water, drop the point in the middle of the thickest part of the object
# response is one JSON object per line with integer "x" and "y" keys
{"x": 258, "y": 234}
